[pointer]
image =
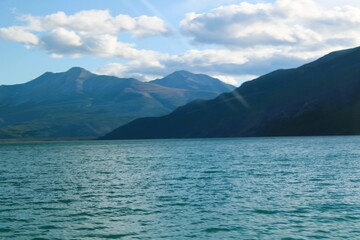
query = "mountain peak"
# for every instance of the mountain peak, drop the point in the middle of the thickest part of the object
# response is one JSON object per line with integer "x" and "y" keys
{"x": 182, "y": 72}
{"x": 77, "y": 70}
{"x": 76, "y": 73}
{"x": 186, "y": 80}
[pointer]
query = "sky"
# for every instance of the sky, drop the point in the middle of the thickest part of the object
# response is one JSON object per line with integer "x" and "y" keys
{"x": 234, "y": 41}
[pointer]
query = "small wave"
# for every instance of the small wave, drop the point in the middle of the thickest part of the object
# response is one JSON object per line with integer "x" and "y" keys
{"x": 48, "y": 227}
{"x": 264, "y": 211}
{"x": 110, "y": 236}
{"x": 5, "y": 230}
{"x": 66, "y": 201}
{"x": 217, "y": 229}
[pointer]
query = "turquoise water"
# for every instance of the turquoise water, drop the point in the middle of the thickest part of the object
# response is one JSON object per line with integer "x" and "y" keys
{"x": 256, "y": 188}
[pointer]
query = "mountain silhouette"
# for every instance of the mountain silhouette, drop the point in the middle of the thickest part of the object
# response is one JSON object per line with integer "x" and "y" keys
{"x": 319, "y": 98}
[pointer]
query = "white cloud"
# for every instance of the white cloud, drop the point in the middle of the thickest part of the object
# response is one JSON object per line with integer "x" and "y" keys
{"x": 149, "y": 26}
{"x": 62, "y": 37}
{"x": 112, "y": 69}
{"x": 120, "y": 70}
{"x": 99, "y": 22}
{"x": 229, "y": 79}
{"x": 91, "y": 32}
{"x": 284, "y": 23}
{"x": 18, "y": 34}
{"x": 212, "y": 57}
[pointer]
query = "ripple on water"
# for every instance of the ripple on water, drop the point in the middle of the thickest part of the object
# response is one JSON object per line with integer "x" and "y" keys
{"x": 256, "y": 188}
{"x": 217, "y": 229}
{"x": 109, "y": 235}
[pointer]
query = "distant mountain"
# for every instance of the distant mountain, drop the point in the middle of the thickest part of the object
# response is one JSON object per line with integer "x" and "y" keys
{"x": 78, "y": 103}
{"x": 195, "y": 82}
{"x": 319, "y": 98}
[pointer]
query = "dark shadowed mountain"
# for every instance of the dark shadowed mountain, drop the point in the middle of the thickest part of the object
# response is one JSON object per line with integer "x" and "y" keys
{"x": 319, "y": 98}
{"x": 78, "y": 103}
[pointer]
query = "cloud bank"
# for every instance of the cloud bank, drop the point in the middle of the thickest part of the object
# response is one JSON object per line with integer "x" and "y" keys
{"x": 285, "y": 23}
{"x": 91, "y": 32}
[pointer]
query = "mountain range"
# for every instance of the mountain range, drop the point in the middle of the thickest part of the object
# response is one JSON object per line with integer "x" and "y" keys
{"x": 318, "y": 98}
{"x": 80, "y": 104}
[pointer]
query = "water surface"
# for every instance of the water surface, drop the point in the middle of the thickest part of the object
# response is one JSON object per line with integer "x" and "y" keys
{"x": 247, "y": 188}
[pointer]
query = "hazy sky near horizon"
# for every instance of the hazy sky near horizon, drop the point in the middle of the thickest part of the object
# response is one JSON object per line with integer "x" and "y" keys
{"x": 146, "y": 39}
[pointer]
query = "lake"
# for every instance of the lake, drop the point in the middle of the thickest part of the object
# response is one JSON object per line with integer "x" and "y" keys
{"x": 243, "y": 188}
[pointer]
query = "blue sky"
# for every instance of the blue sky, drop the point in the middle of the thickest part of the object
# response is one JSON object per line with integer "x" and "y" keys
{"x": 146, "y": 39}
